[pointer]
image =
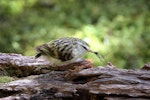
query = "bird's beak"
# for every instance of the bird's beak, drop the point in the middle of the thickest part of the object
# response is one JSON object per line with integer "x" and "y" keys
{"x": 97, "y": 54}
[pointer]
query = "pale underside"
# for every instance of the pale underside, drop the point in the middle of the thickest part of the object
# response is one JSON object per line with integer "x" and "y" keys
{"x": 77, "y": 53}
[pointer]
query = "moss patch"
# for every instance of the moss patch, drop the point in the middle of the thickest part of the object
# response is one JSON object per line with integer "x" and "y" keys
{"x": 5, "y": 79}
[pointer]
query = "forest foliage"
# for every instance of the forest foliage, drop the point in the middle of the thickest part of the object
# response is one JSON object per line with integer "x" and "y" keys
{"x": 118, "y": 29}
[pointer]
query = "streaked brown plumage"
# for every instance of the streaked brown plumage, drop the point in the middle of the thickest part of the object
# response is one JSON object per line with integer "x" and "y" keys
{"x": 63, "y": 50}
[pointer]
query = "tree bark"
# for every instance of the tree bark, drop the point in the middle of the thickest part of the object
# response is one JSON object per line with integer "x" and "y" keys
{"x": 77, "y": 81}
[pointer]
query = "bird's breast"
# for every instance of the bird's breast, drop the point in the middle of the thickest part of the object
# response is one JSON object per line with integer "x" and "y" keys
{"x": 79, "y": 51}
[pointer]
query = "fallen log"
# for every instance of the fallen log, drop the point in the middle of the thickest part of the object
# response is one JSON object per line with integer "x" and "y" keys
{"x": 97, "y": 83}
{"x": 21, "y": 66}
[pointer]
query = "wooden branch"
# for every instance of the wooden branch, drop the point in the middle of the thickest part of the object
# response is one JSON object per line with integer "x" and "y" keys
{"x": 97, "y": 83}
{"x": 21, "y": 66}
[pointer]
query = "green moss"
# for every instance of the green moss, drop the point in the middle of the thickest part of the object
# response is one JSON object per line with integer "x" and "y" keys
{"x": 5, "y": 79}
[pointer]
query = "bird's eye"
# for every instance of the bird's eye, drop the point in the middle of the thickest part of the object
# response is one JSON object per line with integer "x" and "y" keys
{"x": 84, "y": 47}
{"x": 96, "y": 53}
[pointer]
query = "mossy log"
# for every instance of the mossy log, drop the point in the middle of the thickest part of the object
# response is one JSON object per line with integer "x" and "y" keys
{"x": 91, "y": 83}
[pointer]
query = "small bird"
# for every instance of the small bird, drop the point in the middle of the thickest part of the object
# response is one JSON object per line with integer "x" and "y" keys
{"x": 64, "y": 50}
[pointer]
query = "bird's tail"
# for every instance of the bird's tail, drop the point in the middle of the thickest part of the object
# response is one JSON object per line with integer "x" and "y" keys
{"x": 39, "y": 50}
{"x": 38, "y": 55}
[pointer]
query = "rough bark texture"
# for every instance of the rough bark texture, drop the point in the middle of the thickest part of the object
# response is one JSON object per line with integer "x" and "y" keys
{"x": 97, "y": 83}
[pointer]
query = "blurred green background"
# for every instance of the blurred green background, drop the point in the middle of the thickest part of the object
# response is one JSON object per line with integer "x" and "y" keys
{"x": 118, "y": 29}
